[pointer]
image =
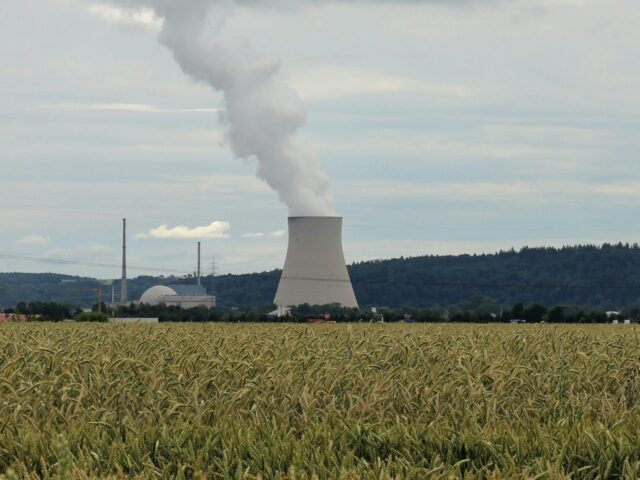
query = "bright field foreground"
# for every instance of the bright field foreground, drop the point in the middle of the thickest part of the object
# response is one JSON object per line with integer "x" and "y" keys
{"x": 335, "y": 401}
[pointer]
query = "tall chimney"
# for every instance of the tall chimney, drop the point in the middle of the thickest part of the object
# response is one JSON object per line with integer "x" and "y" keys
{"x": 315, "y": 271}
{"x": 198, "y": 263}
{"x": 123, "y": 281}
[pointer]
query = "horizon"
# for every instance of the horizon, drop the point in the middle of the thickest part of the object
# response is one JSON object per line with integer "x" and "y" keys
{"x": 186, "y": 275}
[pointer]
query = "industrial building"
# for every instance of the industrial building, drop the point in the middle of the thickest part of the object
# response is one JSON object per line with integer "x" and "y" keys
{"x": 314, "y": 270}
{"x": 184, "y": 296}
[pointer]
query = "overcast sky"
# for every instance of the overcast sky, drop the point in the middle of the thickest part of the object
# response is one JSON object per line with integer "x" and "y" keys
{"x": 445, "y": 127}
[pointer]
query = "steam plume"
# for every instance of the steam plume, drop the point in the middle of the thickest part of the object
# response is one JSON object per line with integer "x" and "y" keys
{"x": 262, "y": 114}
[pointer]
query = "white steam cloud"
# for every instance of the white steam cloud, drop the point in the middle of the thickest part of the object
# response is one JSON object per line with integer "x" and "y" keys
{"x": 213, "y": 230}
{"x": 262, "y": 113}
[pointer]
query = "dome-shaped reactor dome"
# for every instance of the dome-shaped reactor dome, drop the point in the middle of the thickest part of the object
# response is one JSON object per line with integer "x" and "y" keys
{"x": 154, "y": 295}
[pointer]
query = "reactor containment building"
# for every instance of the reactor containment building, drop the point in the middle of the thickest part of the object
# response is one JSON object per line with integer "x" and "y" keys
{"x": 184, "y": 296}
{"x": 314, "y": 270}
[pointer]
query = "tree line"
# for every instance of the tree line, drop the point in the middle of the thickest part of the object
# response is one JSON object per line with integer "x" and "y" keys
{"x": 534, "y": 313}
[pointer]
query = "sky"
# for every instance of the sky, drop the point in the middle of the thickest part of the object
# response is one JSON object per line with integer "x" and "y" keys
{"x": 445, "y": 127}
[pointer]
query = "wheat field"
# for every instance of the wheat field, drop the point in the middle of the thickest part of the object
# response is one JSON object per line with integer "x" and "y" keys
{"x": 326, "y": 401}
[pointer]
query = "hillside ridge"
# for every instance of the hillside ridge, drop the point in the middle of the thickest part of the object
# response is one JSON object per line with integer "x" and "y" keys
{"x": 599, "y": 276}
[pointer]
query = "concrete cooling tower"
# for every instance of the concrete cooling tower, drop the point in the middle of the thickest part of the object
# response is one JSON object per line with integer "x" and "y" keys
{"x": 315, "y": 271}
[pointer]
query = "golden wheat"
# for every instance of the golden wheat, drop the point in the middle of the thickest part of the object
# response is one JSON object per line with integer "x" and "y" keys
{"x": 335, "y": 401}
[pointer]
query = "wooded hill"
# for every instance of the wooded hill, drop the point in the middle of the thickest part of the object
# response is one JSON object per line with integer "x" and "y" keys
{"x": 605, "y": 277}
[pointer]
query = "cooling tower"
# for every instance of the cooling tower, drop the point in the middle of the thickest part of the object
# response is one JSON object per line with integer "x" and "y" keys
{"x": 315, "y": 271}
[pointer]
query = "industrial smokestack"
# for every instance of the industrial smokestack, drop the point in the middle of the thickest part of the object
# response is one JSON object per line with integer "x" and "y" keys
{"x": 198, "y": 263}
{"x": 315, "y": 271}
{"x": 123, "y": 280}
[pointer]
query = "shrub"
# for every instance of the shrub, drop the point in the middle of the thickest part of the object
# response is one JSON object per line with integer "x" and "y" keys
{"x": 90, "y": 317}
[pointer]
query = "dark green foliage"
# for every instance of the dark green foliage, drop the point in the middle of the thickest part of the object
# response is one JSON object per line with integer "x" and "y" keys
{"x": 47, "y": 311}
{"x": 249, "y": 290}
{"x": 333, "y": 312}
{"x": 90, "y": 317}
{"x": 483, "y": 310}
{"x": 556, "y": 315}
{"x": 606, "y": 278}
{"x": 47, "y": 287}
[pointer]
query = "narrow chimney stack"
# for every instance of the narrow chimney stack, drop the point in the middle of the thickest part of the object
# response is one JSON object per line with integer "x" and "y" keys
{"x": 198, "y": 263}
{"x": 123, "y": 281}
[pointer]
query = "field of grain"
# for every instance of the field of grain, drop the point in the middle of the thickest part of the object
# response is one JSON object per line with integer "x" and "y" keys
{"x": 333, "y": 401}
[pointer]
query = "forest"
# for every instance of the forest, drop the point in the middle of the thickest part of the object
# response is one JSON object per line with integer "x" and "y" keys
{"x": 605, "y": 277}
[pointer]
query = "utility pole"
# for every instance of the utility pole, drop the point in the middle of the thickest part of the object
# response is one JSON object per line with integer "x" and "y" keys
{"x": 213, "y": 275}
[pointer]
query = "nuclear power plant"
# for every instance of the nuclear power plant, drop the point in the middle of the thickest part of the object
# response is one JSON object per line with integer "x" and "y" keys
{"x": 185, "y": 296}
{"x": 314, "y": 270}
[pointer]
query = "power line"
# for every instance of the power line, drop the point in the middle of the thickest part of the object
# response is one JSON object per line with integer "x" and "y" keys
{"x": 59, "y": 261}
{"x": 252, "y": 261}
{"x": 365, "y": 281}
{"x": 493, "y": 285}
